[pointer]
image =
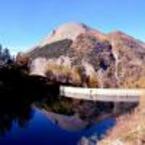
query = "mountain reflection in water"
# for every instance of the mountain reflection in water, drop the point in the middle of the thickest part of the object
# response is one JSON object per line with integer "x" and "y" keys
{"x": 33, "y": 114}
{"x": 41, "y": 130}
{"x": 22, "y": 123}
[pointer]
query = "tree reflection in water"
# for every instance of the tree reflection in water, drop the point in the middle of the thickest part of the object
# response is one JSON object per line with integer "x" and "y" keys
{"x": 14, "y": 111}
{"x": 18, "y": 92}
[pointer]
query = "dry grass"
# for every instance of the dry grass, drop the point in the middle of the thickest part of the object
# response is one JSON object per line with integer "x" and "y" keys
{"x": 71, "y": 74}
{"x": 130, "y": 129}
{"x": 93, "y": 81}
{"x": 130, "y": 82}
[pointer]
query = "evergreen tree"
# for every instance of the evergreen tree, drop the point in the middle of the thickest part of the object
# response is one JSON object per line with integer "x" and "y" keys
{"x": 5, "y": 56}
{"x": 0, "y": 51}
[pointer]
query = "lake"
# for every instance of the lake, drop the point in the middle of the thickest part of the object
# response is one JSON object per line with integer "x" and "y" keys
{"x": 32, "y": 113}
{"x": 41, "y": 129}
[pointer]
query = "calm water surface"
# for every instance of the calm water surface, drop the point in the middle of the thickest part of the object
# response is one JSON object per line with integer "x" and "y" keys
{"x": 41, "y": 130}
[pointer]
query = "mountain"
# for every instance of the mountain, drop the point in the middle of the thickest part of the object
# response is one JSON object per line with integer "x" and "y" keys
{"x": 79, "y": 55}
{"x": 68, "y": 31}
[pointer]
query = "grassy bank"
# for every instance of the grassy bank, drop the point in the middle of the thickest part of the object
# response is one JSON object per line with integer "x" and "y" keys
{"x": 130, "y": 129}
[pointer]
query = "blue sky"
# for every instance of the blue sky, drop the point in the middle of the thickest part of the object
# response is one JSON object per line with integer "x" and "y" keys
{"x": 23, "y": 23}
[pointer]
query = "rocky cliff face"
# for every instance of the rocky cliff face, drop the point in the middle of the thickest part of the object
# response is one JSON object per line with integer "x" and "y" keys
{"x": 77, "y": 54}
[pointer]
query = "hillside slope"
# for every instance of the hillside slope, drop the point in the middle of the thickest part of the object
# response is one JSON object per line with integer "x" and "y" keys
{"x": 77, "y": 54}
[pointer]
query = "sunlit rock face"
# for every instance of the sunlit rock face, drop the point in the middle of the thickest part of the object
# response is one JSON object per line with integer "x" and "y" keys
{"x": 80, "y": 55}
{"x": 39, "y": 67}
{"x": 68, "y": 31}
{"x": 130, "y": 58}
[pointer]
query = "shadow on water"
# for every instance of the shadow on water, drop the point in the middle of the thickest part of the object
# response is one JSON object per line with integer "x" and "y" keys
{"x": 17, "y": 94}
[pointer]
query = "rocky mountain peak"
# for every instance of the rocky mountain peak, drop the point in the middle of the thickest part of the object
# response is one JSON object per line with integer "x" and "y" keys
{"x": 69, "y": 31}
{"x": 66, "y": 31}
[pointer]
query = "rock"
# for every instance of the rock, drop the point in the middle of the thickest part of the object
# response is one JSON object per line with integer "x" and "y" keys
{"x": 84, "y": 56}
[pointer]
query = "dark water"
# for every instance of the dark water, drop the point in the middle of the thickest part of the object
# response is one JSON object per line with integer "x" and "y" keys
{"x": 22, "y": 123}
{"x": 40, "y": 130}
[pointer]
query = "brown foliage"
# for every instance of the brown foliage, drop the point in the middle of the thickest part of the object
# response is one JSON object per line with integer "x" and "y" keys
{"x": 22, "y": 59}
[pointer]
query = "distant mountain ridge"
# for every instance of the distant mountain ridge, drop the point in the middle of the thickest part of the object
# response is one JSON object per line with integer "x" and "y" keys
{"x": 80, "y": 55}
